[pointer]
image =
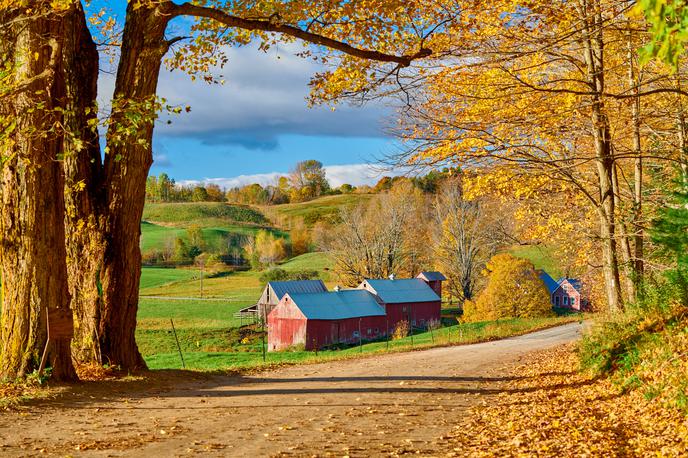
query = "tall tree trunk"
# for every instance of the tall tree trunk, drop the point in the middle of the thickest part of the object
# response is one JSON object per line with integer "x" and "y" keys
{"x": 32, "y": 237}
{"x": 84, "y": 219}
{"x": 129, "y": 157}
{"x": 624, "y": 242}
{"x": 593, "y": 48}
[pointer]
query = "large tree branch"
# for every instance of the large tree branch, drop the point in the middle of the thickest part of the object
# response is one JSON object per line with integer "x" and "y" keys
{"x": 273, "y": 24}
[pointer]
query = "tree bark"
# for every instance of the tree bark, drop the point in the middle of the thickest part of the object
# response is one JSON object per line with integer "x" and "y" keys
{"x": 32, "y": 237}
{"x": 593, "y": 47}
{"x": 129, "y": 140}
{"x": 84, "y": 218}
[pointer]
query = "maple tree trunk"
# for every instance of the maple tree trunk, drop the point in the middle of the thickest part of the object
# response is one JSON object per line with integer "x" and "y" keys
{"x": 32, "y": 238}
{"x": 84, "y": 219}
{"x": 593, "y": 49}
{"x": 129, "y": 157}
{"x": 638, "y": 235}
{"x": 624, "y": 242}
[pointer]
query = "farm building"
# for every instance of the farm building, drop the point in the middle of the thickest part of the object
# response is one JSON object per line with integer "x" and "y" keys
{"x": 565, "y": 292}
{"x": 319, "y": 319}
{"x": 275, "y": 290}
{"x": 413, "y": 299}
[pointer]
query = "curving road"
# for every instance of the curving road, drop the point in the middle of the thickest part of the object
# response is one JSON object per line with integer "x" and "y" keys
{"x": 390, "y": 404}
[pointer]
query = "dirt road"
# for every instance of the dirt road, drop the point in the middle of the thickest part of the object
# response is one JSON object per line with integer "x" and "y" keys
{"x": 384, "y": 405}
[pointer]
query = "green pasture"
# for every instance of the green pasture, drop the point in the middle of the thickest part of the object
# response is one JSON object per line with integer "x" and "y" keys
{"x": 541, "y": 256}
{"x": 199, "y": 212}
{"x": 324, "y": 208}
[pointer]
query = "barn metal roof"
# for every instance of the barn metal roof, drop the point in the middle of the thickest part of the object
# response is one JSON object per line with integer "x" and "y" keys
{"x": 432, "y": 276}
{"x": 550, "y": 283}
{"x": 280, "y": 288}
{"x": 399, "y": 291}
{"x": 333, "y": 305}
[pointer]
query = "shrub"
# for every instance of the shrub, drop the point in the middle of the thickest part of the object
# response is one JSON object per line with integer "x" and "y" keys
{"x": 278, "y": 274}
{"x": 401, "y": 330}
{"x": 513, "y": 290}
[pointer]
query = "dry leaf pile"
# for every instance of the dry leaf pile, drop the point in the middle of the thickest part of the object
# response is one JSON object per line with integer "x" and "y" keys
{"x": 549, "y": 408}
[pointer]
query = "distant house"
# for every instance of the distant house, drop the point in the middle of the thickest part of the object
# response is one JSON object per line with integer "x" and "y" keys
{"x": 275, "y": 290}
{"x": 565, "y": 292}
{"x": 417, "y": 300}
{"x": 320, "y": 319}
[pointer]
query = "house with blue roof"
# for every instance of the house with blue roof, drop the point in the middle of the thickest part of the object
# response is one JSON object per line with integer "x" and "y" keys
{"x": 320, "y": 319}
{"x": 564, "y": 292}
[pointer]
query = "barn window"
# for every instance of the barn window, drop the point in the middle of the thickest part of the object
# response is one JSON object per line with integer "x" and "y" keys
{"x": 356, "y": 334}
{"x": 370, "y": 331}
{"x": 377, "y": 331}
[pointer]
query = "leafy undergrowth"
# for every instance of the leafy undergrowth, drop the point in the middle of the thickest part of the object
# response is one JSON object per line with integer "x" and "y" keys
{"x": 550, "y": 408}
{"x": 645, "y": 351}
{"x": 17, "y": 392}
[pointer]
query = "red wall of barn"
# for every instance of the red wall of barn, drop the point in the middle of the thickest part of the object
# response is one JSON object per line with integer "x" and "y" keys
{"x": 322, "y": 333}
{"x": 418, "y": 312}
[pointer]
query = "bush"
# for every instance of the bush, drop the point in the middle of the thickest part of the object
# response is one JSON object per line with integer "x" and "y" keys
{"x": 401, "y": 330}
{"x": 513, "y": 290}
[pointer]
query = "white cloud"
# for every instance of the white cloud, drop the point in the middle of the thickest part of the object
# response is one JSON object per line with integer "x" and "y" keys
{"x": 354, "y": 174}
{"x": 263, "y": 98}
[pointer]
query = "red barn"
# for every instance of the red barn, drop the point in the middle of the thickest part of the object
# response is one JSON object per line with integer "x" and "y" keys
{"x": 411, "y": 299}
{"x": 317, "y": 320}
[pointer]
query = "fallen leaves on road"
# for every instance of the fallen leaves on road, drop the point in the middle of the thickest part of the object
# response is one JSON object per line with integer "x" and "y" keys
{"x": 550, "y": 409}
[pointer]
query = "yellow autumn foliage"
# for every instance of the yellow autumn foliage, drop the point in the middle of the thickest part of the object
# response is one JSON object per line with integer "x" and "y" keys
{"x": 513, "y": 289}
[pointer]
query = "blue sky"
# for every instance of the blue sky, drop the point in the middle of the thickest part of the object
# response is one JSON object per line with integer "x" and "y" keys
{"x": 258, "y": 125}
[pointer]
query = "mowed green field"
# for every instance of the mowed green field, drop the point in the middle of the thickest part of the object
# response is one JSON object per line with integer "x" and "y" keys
{"x": 175, "y": 294}
{"x": 202, "y": 213}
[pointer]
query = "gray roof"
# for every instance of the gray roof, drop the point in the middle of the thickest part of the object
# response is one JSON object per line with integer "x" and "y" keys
{"x": 574, "y": 282}
{"x": 550, "y": 283}
{"x": 432, "y": 276}
{"x": 332, "y": 305}
{"x": 281, "y": 288}
{"x": 399, "y": 291}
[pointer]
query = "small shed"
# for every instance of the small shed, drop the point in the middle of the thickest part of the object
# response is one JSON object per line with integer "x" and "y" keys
{"x": 275, "y": 290}
{"x": 409, "y": 299}
{"x": 317, "y": 320}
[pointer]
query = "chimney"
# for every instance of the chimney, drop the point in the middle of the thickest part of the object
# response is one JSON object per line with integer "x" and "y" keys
{"x": 337, "y": 289}
{"x": 391, "y": 276}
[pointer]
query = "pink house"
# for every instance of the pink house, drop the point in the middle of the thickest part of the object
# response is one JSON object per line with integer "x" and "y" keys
{"x": 564, "y": 293}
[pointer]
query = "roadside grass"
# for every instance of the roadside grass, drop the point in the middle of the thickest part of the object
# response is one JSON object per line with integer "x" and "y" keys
{"x": 540, "y": 256}
{"x": 249, "y": 356}
{"x": 324, "y": 208}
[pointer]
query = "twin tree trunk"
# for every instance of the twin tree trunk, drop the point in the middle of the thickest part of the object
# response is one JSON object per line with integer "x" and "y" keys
{"x": 104, "y": 218}
{"x": 32, "y": 233}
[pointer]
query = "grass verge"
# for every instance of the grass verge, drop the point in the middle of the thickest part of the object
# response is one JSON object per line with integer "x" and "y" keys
{"x": 196, "y": 346}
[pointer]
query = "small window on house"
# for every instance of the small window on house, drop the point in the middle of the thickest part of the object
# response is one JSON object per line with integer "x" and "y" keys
{"x": 556, "y": 301}
{"x": 573, "y": 301}
{"x": 566, "y": 300}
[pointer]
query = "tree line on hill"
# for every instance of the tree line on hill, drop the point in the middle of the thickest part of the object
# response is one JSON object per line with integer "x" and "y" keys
{"x": 306, "y": 181}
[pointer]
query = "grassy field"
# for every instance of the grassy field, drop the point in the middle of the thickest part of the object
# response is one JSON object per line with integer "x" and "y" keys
{"x": 325, "y": 208}
{"x": 541, "y": 256}
{"x": 186, "y": 213}
{"x": 203, "y": 350}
